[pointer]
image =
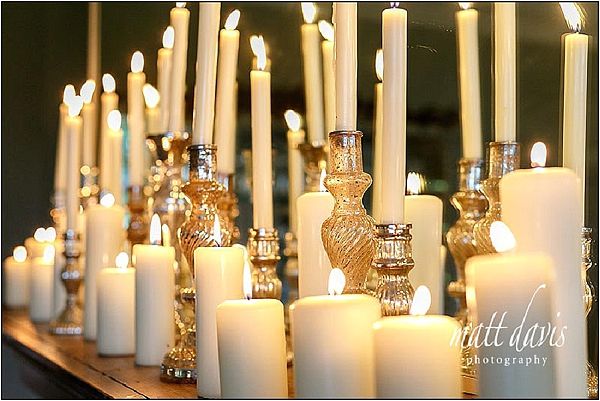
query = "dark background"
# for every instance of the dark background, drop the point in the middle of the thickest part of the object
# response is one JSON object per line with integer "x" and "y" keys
{"x": 44, "y": 47}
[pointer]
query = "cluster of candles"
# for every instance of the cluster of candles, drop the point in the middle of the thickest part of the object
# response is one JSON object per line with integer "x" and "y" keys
{"x": 342, "y": 346}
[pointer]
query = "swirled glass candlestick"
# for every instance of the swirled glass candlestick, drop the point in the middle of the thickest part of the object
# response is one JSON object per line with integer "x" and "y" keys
{"x": 69, "y": 322}
{"x": 393, "y": 261}
{"x": 228, "y": 205}
{"x": 263, "y": 248}
{"x": 588, "y": 300}
{"x": 138, "y": 229}
{"x": 348, "y": 234}
{"x": 503, "y": 157}
{"x": 315, "y": 161}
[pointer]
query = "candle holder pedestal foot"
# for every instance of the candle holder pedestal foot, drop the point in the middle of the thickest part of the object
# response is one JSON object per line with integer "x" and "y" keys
{"x": 315, "y": 162}
{"x": 138, "y": 229}
{"x": 587, "y": 262}
{"x": 263, "y": 248}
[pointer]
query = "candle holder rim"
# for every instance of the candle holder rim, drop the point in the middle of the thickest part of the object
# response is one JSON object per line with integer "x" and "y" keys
{"x": 345, "y": 133}
{"x": 201, "y": 146}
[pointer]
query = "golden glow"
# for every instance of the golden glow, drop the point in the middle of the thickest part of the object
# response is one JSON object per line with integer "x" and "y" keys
{"x": 20, "y": 254}
{"x": 573, "y": 16}
{"x": 322, "y": 180}
{"x": 293, "y": 120}
{"x": 40, "y": 235}
{"x": 257, "y": 43}
{"x": 151, "y": 96}
{"x": 137, "y": 62}
{"x": 122, "y": 260}
{"x": 86, "y": 191}
{"x": 50, "y": 234}
{"x": 337, "y": 282}
{"x": 309, "y": 12}
{"x": 87, "y": 91}
{"x": 114, "y": 120}
{"x": 49, "y": 252}
{"x": 75, "y": 105}
{"x": 107, "y": 200}
{"x": 538, "y": 155}
{"x": 232, "y": 20}
{"x": 180, "y": 4}
{"x": 108, "y": 83}
{"x": 85, "y": 170}
{"x": 502, "y": 238}
{"x": 379, "y": 64}
{"x": 421, "y": 301}
{"x": 168, "y": 38}
{"x": 155, "y": 230}
{"x": 465, "y": 6}
{"x": 68, "y": 93}
{"x": 326, "y": 29}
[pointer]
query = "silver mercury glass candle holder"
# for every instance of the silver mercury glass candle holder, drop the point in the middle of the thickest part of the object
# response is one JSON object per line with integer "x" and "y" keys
{"x": 587, "y": 262}
{"x": 263, "y": 248}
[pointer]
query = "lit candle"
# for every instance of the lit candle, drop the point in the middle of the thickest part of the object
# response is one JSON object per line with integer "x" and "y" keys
{"x": 505, "y": 75}
{"x": 393, "y": 138}
{"x": 206, "y": 73}
{"x": 575, "y": 96}
{"x": 345, "y": 65}
{"x": 88, "y": 114}
{"x": 328, "y": 34}
{"x": 73, "y": 131}
{"x": 154, "y": 297}
{"x": 15, "y": 279}
{"x": 252, "y": 347}
{"x": 262, "y": 187}
{"x": 424, "y": 212}
{"x": 468, "y": 67}
{"x": 378, "y": 131}
{"x": 295, "y": 137}
{"x": 402, "y": 343}
{"x": 36, "y": 245}
{"x": 41, "y": 290}
{"x": 114, "y": 145}
{"x": 60, "y": 167}
{"x": 103, "y": 240}
{"x": 180, "y": 19}
{"x": 152, "y": 98}
{"x": 135, "y": 119}
{"x": 551, "y": 223}
{"x": 109, "y": 101}
{"x": 116, "y": 309}
{"x": 528, "y": 276}
{"x": 164, "y": 66}
{"x": 332, "y": 338}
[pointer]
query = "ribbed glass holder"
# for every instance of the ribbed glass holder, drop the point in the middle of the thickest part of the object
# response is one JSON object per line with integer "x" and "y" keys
{"x": 348, "y": 234}
{"x": 502, "y": 158}
{"x": 315, "y": 161}
{"x": 228, "y": 205}
{"x": 70, "y": 321}
{"x": 587, "y": 262}
{"x": 138, "y": 229}
{"x": 263, "y": 248}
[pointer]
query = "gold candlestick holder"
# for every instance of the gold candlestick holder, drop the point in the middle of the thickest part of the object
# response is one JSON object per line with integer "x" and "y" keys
{"x": 502, "y": 158}
{"x": 393, "y": 261}
{"x": 138, "y": 229}
{"x": 471, "y": 205}
{"x": 348, "y": 234}
{"x": 69, "y": 321}
{"x": 588, "y": 300}
{"x": 228, "y": 204}
{"x": 263, "y": 248}
{"x": 315, "y": 162}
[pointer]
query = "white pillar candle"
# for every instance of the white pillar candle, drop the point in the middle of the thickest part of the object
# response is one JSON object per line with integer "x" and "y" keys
{"x": 404, "y": 343}
{"x": 528, "y": 276}
{"x": 206, "y": 73}
{"x": 332, "y": 338}
{"x": 295, "y": 137}
{"x": 74, "y": 131}
{"x": 180, "y": 19}
{"x": 60, "y": 167}
{"x": 262, "y": 186}
{"x": 109, "y": 101}
{"x": 377, "y": 133}
{"x": 575, "y": 96}
{"x": 326, "y": 29}
{"x": 505, "y": 72}
{"x": 114, "y": 144}
{"x": 225, "y": 121}
{"x": 41, "y": 290}
{"x": 551, "y": 223}
{"x": 219, "y": 277}
{"x": 154, "y": 297}
{"x": 345, "y": 65}
{"x": 164, "y": 66}
{"x": 116, "y": 309}
{"x": 468, "y": 67}
{"x": 36, "y": 245}
{"x": 88, "y": 114}
{"x": 313, "y": 264}
{"x": 135, "y": 119}
{"x": 15, "y": 279}
{"x": 104, "y": 239}
{"x": 152, "y": 99}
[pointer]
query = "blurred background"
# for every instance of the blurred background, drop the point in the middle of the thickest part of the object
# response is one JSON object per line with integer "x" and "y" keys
{"x": 44, "y": 47}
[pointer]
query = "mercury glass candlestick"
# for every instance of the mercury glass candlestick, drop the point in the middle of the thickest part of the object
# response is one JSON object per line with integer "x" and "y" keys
{"x": 588, "y": 300}
{"x": 315, "y": 162}
{"x": 138, "y": 229}
{"x": 70, "y": 320}
{"x": 348, "y": 234}
{"x": 502, "y": 158}
{"x": 263, "y": 248}
{"x": 228, "y": 204}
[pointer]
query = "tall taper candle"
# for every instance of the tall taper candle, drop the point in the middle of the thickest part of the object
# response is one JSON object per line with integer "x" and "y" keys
{"x": 345, "y": 65}
{"x": 88, "y": 114}
{"x": 60, "y": 168}
{"x": 109, "y": 101}
{"x": 135, "y": 119}
{"x": 327, "y": 32}
{"x": 180, "y": 19}
{"x": 74, "y": 131}
{"x": 505, "y": 72}
{"x": 295, "y": 136}
{"x": 377, "y": 133}
{"x": 164, "y": 66}
{"x": 152, "y": 99}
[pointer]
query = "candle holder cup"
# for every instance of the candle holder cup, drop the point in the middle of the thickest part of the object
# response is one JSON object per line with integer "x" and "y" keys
{"x": 137, "y": 232}
{"x": 263, "y": 248}
{"x": 348, "y": 234}
{"x": 70, "y": 320}
{"x": 315, "y": 161}
{"x": 502, "y": 158}
{"x": 587, "y": 262}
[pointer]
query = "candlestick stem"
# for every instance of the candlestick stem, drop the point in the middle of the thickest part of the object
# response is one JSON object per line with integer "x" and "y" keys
{"x": 138, "y": 229}
{"x": 263, "y": 248}
{"x": 587, "y": 262}
{"x": 315, "y": 161}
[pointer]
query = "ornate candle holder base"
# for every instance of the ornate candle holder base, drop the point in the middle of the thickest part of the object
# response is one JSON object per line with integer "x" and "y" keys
{"x": 315, "y": 162}
{"x": 263, "y": 248}
{"x": 138, "y": 229}
{"x": 503, "y": 157}
{"x": 179, "y": 364}
{"x": 587, "y": 262}
{"x": 228, "y": 205}
{"x": 69, "y": 322}
{"x": 393, "y": 261}
{"x": 348, "y": 234}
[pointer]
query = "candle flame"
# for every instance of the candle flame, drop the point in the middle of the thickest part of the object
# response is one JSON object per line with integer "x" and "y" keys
{"x": 20, "y": 254}
{"x": 573, "y": 16}
{"x": 166, "y": 235}
{"x": 257, "y": 43}
{"x": 50, "y": 234}
{"x": 68, "y": 93}
{"x": 326, "y": 29}
{"x": 293, "y": 120}
{"x": 114, "y": 120}
{"x": 155, "y": 230}
{"x": 217, "y": 236}
{"x": 108, "y": 200}
{"x": 421, "y": 301}
{"x": 394, "y": 4}
{"x": 232, "y": 20}
{"x": 247, "y": 277}
{"x": 337, "y": 282}
{"x": 168, "y": 38}
{"x": 75, "y": 105}
{"x": 379, "y": 64}
{"x": 49, "y": 252}
{"x": 40, "y": 235}
{"x": 87, "y": 91}
{"x": 309, "y": 12}
{"x": 502, "y": 238}
{"x": 322, "y": 181}
{"x": 122, "y": 260}
{"x": 151, "y": 96}
{"x": 465, "y": 6}
{"x": 180, "y": 4}
{"x": 137, "y": 62}
{"x": 415, "y": 183}
{"x": 108, "y": 83}
{"x": 538, "y": 155}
